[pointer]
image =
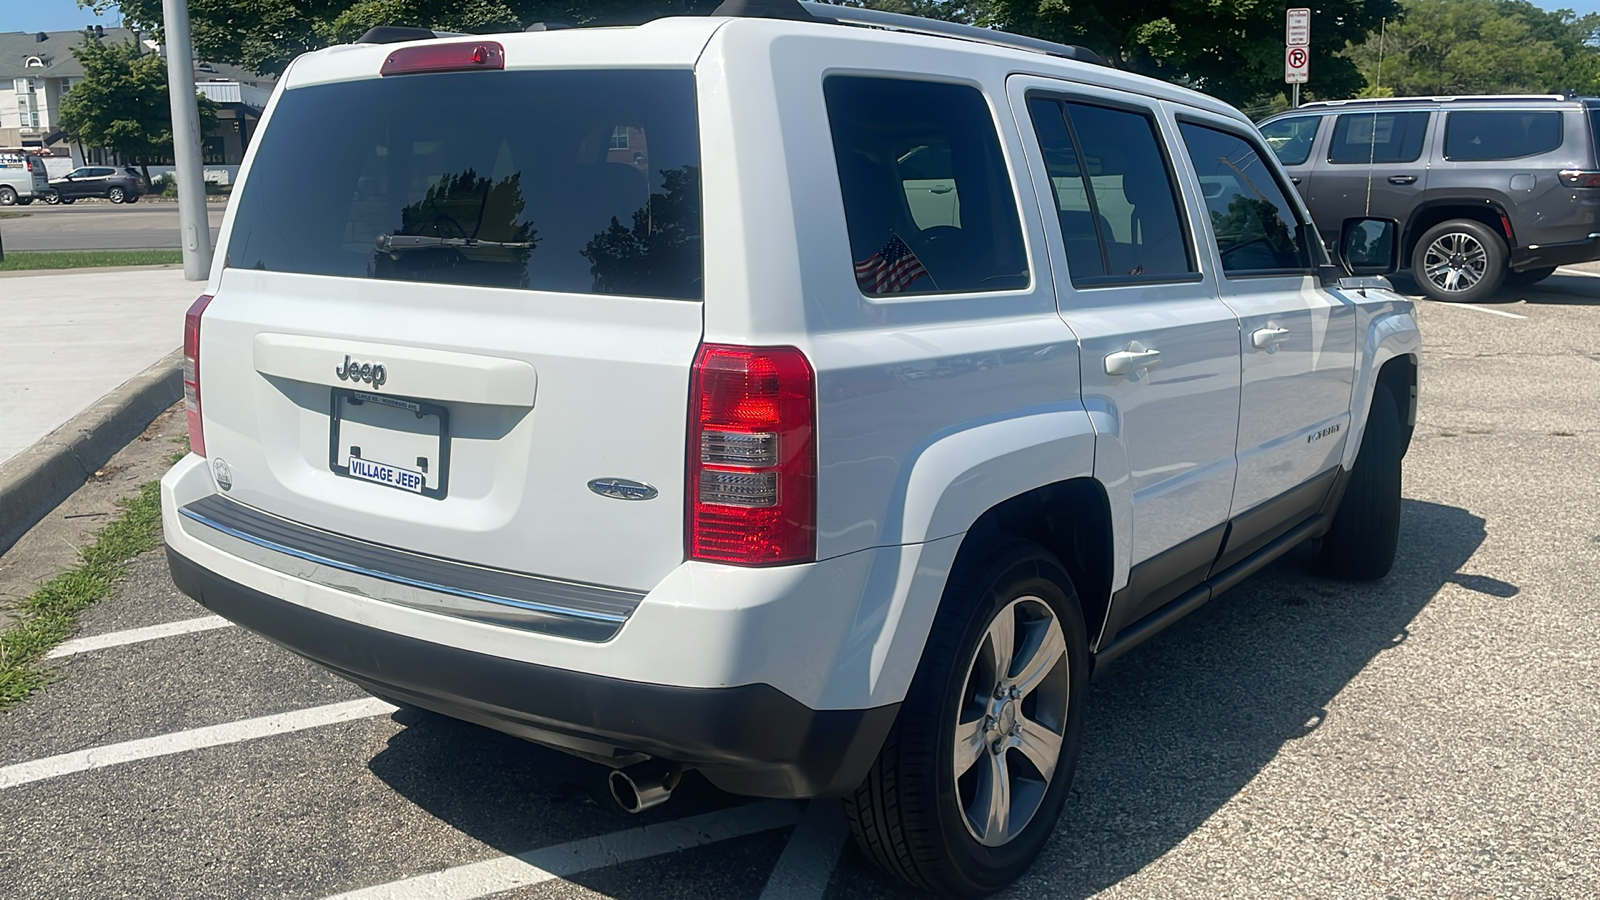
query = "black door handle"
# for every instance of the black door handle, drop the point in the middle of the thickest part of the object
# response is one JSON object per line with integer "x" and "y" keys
{"x": 1402, "y": 179}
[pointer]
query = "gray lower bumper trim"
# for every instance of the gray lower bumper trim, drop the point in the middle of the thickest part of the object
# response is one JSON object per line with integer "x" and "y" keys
{"x": 512, "y": 599}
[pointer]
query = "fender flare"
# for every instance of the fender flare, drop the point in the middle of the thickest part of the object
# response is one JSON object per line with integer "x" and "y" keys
{"x": 951, "y": 481}
{"x": 1390, "y": 332}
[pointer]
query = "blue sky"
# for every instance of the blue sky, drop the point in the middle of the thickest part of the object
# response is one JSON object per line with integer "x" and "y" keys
{"x": 64, "y": 15}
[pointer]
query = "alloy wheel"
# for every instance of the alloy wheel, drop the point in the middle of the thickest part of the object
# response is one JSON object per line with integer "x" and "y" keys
{"x": 1455, "y": 262}
{"x": 1011, "y": 720}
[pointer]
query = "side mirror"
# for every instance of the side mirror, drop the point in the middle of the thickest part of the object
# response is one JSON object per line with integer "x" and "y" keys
{"x": 1370, "y": 246}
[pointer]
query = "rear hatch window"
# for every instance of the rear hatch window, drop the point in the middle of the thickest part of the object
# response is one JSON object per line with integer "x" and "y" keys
{"x": 571, "y": 181}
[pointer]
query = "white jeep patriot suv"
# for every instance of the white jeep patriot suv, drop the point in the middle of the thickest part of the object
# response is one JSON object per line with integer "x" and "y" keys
{"x": 810, "y": 404}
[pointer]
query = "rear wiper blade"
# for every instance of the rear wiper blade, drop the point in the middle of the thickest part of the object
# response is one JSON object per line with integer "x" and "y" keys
{"x": 400, "y": 243}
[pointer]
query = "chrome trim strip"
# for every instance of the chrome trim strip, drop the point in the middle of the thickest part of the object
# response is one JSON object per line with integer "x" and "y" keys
{"x": 593, "y": 616}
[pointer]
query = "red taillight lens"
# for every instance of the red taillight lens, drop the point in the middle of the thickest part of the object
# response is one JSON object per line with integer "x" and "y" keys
{"x": 191, "y": 374}
{"x": 444, "y": 58}
{"x": 752, "y": 487}
{"x": 1578, "y": 178}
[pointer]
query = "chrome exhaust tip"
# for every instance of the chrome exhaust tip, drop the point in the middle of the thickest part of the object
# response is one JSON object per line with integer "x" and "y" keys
{"x": 645, "y": 785}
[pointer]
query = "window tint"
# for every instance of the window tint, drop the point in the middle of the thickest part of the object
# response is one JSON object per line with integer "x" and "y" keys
{"x": 1251, "y": 217}
{"x": 1114, "y": 192}
{"x": 1500, "y": 135}
{"x": 926, "y": 194}
{"x": 577, "y": 181}
{"x": 1378, "y": 137}
{"x": 1291, "y": 139}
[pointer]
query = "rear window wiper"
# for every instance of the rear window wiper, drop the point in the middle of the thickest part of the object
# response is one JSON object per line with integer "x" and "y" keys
{"x": 396, "y": 244}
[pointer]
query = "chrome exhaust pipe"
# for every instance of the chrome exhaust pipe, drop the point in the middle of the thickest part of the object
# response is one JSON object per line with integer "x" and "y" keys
{"x": 644, "y": 785}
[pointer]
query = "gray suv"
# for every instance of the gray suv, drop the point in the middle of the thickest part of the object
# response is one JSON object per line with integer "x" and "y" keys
{"x": 1488, "y": 190}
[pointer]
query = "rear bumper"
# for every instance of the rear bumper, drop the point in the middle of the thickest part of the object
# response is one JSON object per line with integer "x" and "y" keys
{"x": 749, "y": 739}
{"x": 1547, "y": 255}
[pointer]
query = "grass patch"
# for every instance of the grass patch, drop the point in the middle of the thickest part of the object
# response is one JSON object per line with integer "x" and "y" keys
{"x": 11, "y": 214}
{"x": 87, "y": 259}
{"x": 50, "y": 615}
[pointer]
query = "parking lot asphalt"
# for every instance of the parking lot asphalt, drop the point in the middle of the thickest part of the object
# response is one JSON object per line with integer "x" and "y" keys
{"x": 1428, "y": 735}
{"x": 85, "y": 225}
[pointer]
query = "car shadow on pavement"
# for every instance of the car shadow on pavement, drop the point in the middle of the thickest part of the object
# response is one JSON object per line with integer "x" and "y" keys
{"x": 1181, "y": 725}
{"x": 1557, "y": 290}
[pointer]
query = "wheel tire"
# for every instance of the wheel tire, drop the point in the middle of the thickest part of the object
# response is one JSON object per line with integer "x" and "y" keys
{"x": 908, "y": 815}
{"x": 68, "y": 201}
{"x": 131, "y": 198}
{"x": 116, "y": 195}
{"x": 1468, "y": 257}
{"x": 8, "y": 195}
{"x": 52, "y": 198}
{"x": 1361, "y": 544}
{"x": 24, "y": 201}
{"x": 1528, "y": 278}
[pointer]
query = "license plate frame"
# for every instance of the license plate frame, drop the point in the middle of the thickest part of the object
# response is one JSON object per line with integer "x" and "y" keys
{"x": 435, "y": 486}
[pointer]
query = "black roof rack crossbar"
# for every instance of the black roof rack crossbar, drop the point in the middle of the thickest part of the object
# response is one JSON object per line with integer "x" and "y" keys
{"x": 852, "y": 15}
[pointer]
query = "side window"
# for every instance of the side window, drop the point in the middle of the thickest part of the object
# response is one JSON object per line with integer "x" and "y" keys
{"x": 1389, "y": 137}
{"x": 1470, "y": 136}
{"x": 927, "y": 195}
{"x": 1291, "y": 139}
{"x": 1114, "y": 192}
{"x": 1251, "y": 217}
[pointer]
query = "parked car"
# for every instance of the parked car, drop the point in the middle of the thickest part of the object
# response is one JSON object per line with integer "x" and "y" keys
{"x": 117, "y": 184}
{"x": 22, "y": 178}
{"x": 812, "y": 405}
{"x": 1488, "y": 190}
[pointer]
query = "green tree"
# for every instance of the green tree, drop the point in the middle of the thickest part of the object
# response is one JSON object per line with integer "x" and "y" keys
{"x": 265, "y": 35}
{"x": 122, "y": 103}
{"x": 1480, "y": 47}
{"x": 1232, "y": 49}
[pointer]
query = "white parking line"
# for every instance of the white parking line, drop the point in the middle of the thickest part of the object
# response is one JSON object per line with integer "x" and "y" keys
{"x": 504, "y": 873}
{"x": 192, "y": 739}
{"x": 136, "y": 635}
{"x": 1476, "y": 308}
{"x": 1563, "y": 270}
{"x": 806, "y": 866}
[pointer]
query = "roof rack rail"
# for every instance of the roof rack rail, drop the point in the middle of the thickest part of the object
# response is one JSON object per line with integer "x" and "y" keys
{"x": 1470, "y": 98}
{"x": 873, "y": 18}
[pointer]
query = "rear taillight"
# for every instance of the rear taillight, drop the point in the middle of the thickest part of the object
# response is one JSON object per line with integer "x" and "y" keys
{"x": 1579, "y": 178}
{"x": 191, "y": 374}
{"x": 752, "y": 486}
{"x": 444, "y": 58}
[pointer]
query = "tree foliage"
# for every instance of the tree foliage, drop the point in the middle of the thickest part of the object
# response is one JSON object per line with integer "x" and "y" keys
{"x": 1480, "y": 47}
{"x": 122, "y": 102}
{"x": 265, "y": 35}
{"x": 1230, "y": 48}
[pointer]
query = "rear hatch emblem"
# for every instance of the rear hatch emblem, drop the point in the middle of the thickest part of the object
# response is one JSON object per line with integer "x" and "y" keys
{"x": 622, "y": 489}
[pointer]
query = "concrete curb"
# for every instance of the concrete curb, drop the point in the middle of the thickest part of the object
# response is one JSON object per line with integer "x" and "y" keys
{"x": 35, "y": 481}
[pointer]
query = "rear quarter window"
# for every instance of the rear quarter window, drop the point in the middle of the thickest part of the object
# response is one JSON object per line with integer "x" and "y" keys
{"x": 584, "y": 182}
{"x": 927, "y": 195}
{"x": 1508, "y": 134}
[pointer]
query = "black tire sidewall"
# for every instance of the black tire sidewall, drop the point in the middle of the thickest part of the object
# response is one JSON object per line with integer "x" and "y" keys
{"x": 1022, "y": 570}
{"x": 1364, "y": 537}
{"x": 1494, "y": 245}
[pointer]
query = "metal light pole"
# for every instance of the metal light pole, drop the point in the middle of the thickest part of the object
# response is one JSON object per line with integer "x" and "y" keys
{"x": 194, "y": 227}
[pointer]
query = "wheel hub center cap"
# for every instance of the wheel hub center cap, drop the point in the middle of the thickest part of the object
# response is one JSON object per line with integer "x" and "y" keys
{"x": 1005, "y": 719}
